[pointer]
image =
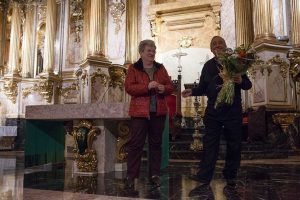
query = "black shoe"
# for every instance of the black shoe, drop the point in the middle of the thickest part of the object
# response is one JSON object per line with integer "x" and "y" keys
{"x": 155, "y": 181}
{"x": 231, "y": 193}
{"x": 154, "y": 193}
{"x": 129, "y": 188}
{"x": 129, "y": 183}
{"x": 197, "y": 178}
{"x": 203, "y": 192}
{"x": 130, "y": 193}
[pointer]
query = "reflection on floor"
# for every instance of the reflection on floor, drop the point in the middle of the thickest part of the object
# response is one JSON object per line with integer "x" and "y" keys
{"x": 258, "y": 180}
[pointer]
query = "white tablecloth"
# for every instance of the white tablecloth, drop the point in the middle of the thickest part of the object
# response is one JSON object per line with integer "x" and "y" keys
{"x": 8, "y": 131}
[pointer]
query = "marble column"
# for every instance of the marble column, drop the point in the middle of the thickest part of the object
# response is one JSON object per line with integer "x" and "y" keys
{"x": 86, "y": 27}
{"x": 263, "y": 21}
{"x": 98, "y": 23}
{"x": 49, "y": 50}
{"x": 14, "y": 53}
{"x": 94, "y": 69}
{"x": 27, "y": 47}
{"x": 131, "y": 38}
{"x": 295, "y": 28}
{"x": 244, "y": 23}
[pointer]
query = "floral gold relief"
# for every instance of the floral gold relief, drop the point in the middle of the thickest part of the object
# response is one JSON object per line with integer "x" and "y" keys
{"x": 44, "y": 87}
{"x": 294, "y": 58}
{"x": 104, "y": 77}
{"x": 85, "y": 156}
{"x": 116, "y": 10}
{"x": 76, "y": 18}
{"x": 284, "y": 119}
{"x": 117, "y": 76}
{"x": 284, "y": 66}
{"x": 10, "y": 88}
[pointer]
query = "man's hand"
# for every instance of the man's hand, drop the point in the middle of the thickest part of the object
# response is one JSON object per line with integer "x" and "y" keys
{"x": 152, "y": 85}
{"x": 160, "y": 88}
{"x": 238, "y": 79}
{"x": 186, "y": 93}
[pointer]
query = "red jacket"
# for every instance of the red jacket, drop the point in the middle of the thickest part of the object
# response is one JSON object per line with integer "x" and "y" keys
{"x": 136, "y": 85}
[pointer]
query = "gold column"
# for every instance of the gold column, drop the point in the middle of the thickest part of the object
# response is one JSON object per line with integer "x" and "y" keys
{"x": 243, "y": 21}
{"x": 13, "y": 61}
{"x": 98, "y": 19}
{"x": 295, "y": 29}
{"x": 50, "y": 36}
{"x": 86, "y": 27}
{"x": 27, "y": 47}
{"x": 131, "y": 38}
{"x": 263, "y": 20}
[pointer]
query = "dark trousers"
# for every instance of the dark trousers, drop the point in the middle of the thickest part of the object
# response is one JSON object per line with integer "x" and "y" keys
{"x": 140, "y": 128}
{"x": 232, "y": 130}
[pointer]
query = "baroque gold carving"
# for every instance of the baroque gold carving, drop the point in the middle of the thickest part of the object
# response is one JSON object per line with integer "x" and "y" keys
{"x": 10, "y": 88}
{"x": 294, "y": 58}
{"x": 117, "y": 76}
{"x": 186, "y": 41}
{"x": 44, "y": 87}
{"x": 123, "y": 138}
{"x": 284, "y": 119}
{"x": 67, "y": 90}
{"x": 77, "y": 18}
{"x": 116, "y": 10}
{"x": 85, "y": 156}
{"x": 284, "y": 66}
{"x": 197, "y": 144}
{"x": 7, "y": 141}
{"x": 155, "y": 23}
{"x": 104, "y": 78}
{"x": 86, "y": 184}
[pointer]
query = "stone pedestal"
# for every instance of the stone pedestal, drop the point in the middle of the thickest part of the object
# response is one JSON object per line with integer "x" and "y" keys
{"x": 270, "y": 77}
{"x": 94, "y": 78}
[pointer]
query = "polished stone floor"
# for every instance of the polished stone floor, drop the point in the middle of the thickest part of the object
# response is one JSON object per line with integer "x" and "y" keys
{"x": 276, "y": 179}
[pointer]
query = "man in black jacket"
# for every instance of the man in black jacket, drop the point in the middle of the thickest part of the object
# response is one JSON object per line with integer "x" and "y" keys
{"x": 225, "y": 119}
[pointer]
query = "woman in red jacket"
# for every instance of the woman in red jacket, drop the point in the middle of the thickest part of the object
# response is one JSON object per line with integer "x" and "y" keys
{"x": 148, "y": 83}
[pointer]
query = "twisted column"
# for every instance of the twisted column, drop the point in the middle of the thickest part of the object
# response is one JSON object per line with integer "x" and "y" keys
{"x": 50, "y": 36}
{"x": 131, "y": 37}
{"x": 243, "y": 19}
{"x": 97, "y": 28}
{"x": 14, "y": 53}
{"x": 27, "y": 47}
{"x": 263, "y": 20}
{"x": 295, "y": 28}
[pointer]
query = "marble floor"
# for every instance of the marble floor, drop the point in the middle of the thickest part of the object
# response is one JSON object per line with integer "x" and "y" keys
{"x": 276, "y": 179}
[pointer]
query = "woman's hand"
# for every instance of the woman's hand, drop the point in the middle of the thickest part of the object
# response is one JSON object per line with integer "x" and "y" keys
{"x": 160, "y": 88}
{"x": 152, "y": 85}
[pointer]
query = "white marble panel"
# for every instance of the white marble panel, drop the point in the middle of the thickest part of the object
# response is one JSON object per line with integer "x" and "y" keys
{"x": 228, "y": 22}
{"x": 116, "y": 40}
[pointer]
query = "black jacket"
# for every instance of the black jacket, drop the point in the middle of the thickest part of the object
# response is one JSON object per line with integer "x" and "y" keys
{"x": 210, "y": 85}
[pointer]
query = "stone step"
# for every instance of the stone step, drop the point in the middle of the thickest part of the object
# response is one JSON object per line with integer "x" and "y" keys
{"x": 246, "y": 155}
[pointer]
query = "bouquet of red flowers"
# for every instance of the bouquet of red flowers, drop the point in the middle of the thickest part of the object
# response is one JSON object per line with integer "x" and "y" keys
{"x": 234, "y": 62}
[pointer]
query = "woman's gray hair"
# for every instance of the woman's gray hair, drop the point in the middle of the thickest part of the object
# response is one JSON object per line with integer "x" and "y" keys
{"x": 144, "y": 43}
